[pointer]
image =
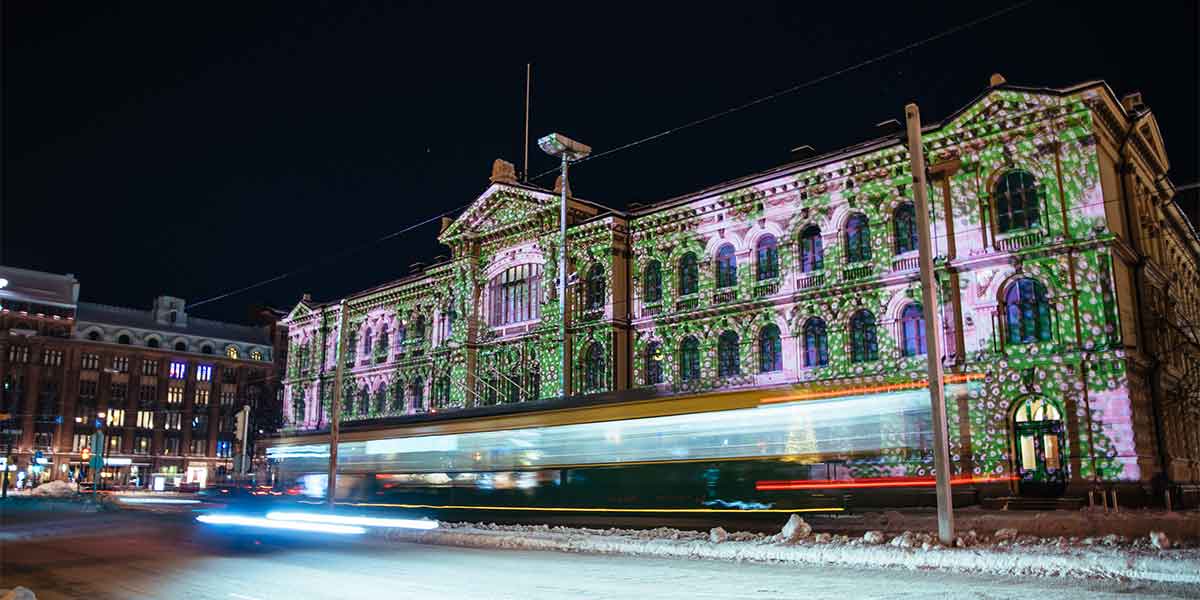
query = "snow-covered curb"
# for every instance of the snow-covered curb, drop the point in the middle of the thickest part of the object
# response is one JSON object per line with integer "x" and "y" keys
{"x": 1175, "y": 566}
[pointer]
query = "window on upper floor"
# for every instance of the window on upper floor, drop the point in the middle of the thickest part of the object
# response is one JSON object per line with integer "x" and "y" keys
{"x": 689, "y": 274}
{"x": 766, "y": 258}
{"x": 596, "y": 287}
{"x": 1017, "y": 201}
{"x": 858, "y": 239}
{"x": 204, "y": 372}
{"x": 446, "y": 318}
{"x": 181, "y": 346}
{"x": 152, "y": 343}
{"x": 652, "y": 282}
{"x": 515, "y": 295}
{"x": 726, "y": 266}
{"x": 256, "y": 355}
{"x": 728, "y": 359}
{"x": 232, "y": 352}
{"x": 864, "y": 345}
{"x": 441, "y": 391}
{"x": 770, "y": 350}
{"x": 94, "y": 336}
{"x": 149, "y": 367}
{"x": 120, "y": 364}
{"x": 912, "y": 330}
{"x": 175, "y": 395}
{"x": 689, "y": 359}
{"x": 366, "y": 341}
{"x": 89, "y": 361}
{"x": 123, "y": 339}
{"x": 812, "y": 255}
{"x": 904, "y": 219}
{"x": 1027, "y": 312}
{"x": 594, "y": 376}
{"x": 652, "y": 364}
{"x": 417, "y": 389}
{"x": 52, "y": 358}
{"x": 816, "y": 343}
{"x": 178, "y": 370}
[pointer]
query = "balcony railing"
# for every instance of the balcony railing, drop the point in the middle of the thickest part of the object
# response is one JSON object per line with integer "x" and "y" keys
{"x": 652, "y": 309}
{"x": 687, "y": 303}
{"x": 1016, "y": 242}
{"x": 724, "y": 296}
{"x": 906, "y": 263}
{"x": 766, "y": 288}
{"x": 810, "y": 281}
{"x": 857, "y": 272}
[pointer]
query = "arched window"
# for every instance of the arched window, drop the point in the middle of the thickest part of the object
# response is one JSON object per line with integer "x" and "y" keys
{"x": 689, "y": 359}
{"x": 381, "y": 346}
{"x": 816, "y": 343}
{"x": 398, "y": 396}
{"x": 417, "y": 387}
{"x": 232, "y": 352}
{"x": 181, "y": 346}
{"x": 418, "y": 329}
{"x": 653, "y": 363}
{"x": 441, "y": 391}
{"x": 298, "y": 406}
{"x": 515, "y": 295}
{"x": 726, "y": 267}
{"x": 652, "y": 282}
{"x": 366, "y": 341}
{"x": 380, "y": 401}
{"x": 152, "y": 343}
{"x": 770, "y": 350}
{"x": 864, "y": 346}
{"x": 594, "y": 376}
{"x": 689, "y": 275}
{"x": 1017, "y": 201}
{"x": 766, "y": 258}
{"x": 254, "y": 354}
{"x": 401, "y": 331}
{"x": 728, "y": 363}
{"x": 1027, "y": 312}
{"x": 364, "y": 401}
{"x": 123, "y": 339}
{"x": 858, "y": 239}
{"x": 595, "y": 287}
{"x": 94, "y": 336}
{"x": 905, "y": 221}
{"x": 812, "y": 256}
{"x": 912, "y": 330}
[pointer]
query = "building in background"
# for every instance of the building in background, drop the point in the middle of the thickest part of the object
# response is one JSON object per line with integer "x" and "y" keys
{"x": 161, "y": 385}
{"x": 1069, "y": 284}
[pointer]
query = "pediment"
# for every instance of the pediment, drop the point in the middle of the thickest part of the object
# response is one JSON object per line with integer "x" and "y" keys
{"x": 301, "y": 310}
{"x": 499, "y": 207}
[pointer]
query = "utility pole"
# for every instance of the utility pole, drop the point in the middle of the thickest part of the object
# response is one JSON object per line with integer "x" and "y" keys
{"x": 933, "y": 333}
{"x": 335, "y": 409}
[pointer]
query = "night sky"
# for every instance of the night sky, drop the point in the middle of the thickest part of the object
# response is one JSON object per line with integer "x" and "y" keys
{"x": 193, "y": 148}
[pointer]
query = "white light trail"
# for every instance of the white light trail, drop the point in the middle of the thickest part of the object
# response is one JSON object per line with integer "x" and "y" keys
{"x": 274, "y": 524}
{"x": 350, "y": 520}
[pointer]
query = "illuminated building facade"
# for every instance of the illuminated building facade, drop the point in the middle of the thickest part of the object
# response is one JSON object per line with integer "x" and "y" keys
{"x": 161, "y": 385}
{"x": 1069, "y": 298}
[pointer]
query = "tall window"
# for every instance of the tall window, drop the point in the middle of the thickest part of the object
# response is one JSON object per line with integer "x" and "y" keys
{"x": 366, "y": 341}
{"x": 864, "y": 346}
{"x": 689, "y": 275}
{"x": 514, "y": 295}
{"x": 381, "y": 346}
{"x": 178, "y": 370}
{"x": 767, "y": 258}
{"x": 652, "y": 282}
{"x": 398, "y": 396}
{"x": 770, "y": 350}
{"x": 1017, "y": 201}
{"x": 726, "y": 267}
{"x": 1027, "y": 312}
{"x": 89, "y": 361}
{"x": 858, "y": 239}
{"x": 441, "y": 391}
{"x": 728, "y": 361}
{"x": 418, "y": 329}
{"x": 912, "y": 330}
{"x": 689, "y": 359}
{"x": 653, "y": 363}
{"x": 446, "y": 318}
{"x": 816, "y": 343}
{"x": 905, "y": 221}
{"x": 417, "y": 387}
{"x": 204, "y": 372}
{"x": 812, "y": 256}
{"x": 595, "y": 287}
{"x": 594, "y": 376}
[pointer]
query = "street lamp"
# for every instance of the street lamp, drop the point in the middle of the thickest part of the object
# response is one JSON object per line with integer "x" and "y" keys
{"x": 569, "y": 150}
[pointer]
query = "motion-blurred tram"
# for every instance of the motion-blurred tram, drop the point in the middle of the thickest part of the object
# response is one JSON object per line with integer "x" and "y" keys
{"x": 763, "y": 450}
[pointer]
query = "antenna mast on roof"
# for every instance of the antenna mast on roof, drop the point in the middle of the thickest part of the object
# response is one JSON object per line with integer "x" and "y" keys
{"x": 528, "y": 78}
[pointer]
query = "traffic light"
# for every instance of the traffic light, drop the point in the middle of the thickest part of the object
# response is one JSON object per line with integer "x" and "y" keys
{"x": 85, "y": 454}
{"x": 242, "y": 421}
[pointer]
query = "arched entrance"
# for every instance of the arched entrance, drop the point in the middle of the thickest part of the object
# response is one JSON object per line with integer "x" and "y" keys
{"x": 1039, "y": 436}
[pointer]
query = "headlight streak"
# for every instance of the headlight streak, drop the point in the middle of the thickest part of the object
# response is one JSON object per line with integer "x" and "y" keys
{"x": 877, "y": 482}
{"x": 260, "y": 522}
{"x": 308, "y": 517}
{"x": 136, "y": 500}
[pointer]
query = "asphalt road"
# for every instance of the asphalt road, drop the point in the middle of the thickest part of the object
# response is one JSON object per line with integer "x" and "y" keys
{"x": 147, "y": 556}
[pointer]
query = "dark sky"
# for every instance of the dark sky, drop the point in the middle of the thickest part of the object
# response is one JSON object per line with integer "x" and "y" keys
{"x": 193, "y": 148}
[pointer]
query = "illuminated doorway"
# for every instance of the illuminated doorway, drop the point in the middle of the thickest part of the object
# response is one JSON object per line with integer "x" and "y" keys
{"x": 1039, "y": 436}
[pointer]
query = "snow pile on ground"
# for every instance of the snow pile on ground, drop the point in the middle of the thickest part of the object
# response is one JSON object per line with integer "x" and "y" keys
{"x": 55, "y": 489}
{"x": 1005, "y": 552}
{"x": 17, "y": 593}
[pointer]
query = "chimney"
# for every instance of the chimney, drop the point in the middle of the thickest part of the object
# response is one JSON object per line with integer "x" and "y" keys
{"x": 802, "y": 152}
{"x": 997, "y": 80}
{"x": 306, "y": 298}
{"x": 1133, "y": 102}
{"x": 446, "y": 221}
{"x": 503, "y": 172}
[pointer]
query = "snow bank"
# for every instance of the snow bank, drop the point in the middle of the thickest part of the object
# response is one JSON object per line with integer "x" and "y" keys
{"x": 55, "y": 489}
{"x": 17, "y": 593}
{"x": 1019, "y": 555}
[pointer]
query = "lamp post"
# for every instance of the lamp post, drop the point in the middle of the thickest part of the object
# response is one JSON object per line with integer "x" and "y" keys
{"x": 569, "y": 150}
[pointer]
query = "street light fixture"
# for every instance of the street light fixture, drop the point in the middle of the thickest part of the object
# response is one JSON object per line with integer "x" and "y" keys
{"x": 569, "y": 150}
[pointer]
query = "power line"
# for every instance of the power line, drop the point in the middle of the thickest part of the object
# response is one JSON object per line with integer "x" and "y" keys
{"x": 343, "y": 253}
{"x": 800, "y": 86}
